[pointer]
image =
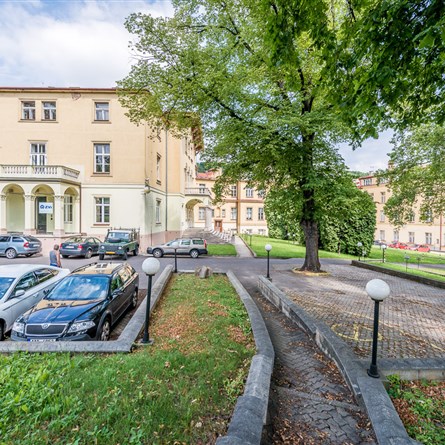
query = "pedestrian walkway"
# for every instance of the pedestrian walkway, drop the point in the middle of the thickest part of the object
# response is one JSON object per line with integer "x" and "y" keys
{"x": 241, "y": 249}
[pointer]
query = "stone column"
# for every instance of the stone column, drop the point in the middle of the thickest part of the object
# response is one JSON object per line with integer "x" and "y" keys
{"x": 30, "y": 214}
{"x": 76, "y": 214}
{"x": 208, "y": 216}
{"x": 3, "y": 228}
{"x": 59, "y": 226}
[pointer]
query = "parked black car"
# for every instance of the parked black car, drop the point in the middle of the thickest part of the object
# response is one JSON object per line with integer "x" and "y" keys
{"x": 80, "y": 246}
{"x": 82, "y": 306}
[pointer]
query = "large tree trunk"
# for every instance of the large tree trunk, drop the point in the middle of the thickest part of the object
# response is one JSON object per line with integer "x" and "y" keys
{"x": 311, "y": 260}
{"x": 308, "y": 221}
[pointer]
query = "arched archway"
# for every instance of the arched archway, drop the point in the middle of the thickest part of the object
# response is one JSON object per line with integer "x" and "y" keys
{"x": 14, "y": 208}
{"x": 198, "y": 214}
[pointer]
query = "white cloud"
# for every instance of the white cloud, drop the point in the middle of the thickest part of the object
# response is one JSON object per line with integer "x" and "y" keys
{"x": 75, "y": 43}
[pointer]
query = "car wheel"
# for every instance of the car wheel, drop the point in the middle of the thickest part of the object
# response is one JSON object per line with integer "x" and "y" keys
{"x": 104, "y": 331}
{"x": 101, "y": 256}
{"x": 65, "y": 256}
{"x": 194, "y": 253}
{"x": 2, "y": 330}
{"x": 136, "y": 251}
{"x": 88, "y": 254}
{"x": 134, "y": 299}
{"x": 11, "y": 254}
{"x": 157, "y": 253}
{"x": 28, "y": 255}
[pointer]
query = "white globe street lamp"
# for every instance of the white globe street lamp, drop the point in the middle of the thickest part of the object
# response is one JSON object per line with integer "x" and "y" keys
{"x": 150, "y": 267}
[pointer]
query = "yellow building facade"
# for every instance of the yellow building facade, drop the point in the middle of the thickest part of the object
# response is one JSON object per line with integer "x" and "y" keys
{"x": 71, "y": 162}
{"x": 241, "y": 210}
{"x": 414, "y": 232}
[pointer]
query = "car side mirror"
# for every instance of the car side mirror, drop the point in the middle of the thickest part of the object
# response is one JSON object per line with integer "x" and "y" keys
{"x": 19, "y": 293}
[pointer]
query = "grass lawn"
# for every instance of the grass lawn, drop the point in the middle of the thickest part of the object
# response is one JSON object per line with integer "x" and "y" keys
{"x": 221, "y": 249}
{"x": 180, "y": 390}
{"x": 433, "y": 274}
{"x": 288, "y": 249}
{"x": 421, "y": 407}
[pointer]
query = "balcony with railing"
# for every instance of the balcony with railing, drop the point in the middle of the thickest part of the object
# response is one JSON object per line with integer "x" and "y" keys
{"x": 38, "y": 172}
{"x": 198, "y": 191}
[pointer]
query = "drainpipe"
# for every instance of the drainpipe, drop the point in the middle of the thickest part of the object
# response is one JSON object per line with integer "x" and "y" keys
{"x": 440, "y": 233}
{"x": 166, "y": 181}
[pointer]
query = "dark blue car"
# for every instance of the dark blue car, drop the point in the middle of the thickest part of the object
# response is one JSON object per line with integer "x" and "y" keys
{"x": 80, "y": 246}
{"x": 83, "y": 306}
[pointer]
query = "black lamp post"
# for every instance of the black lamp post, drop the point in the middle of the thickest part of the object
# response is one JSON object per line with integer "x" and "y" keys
{"x": 378, "y": 290}
{"x": 175, "y": 246}
{"x": 406, "y": 263}
{"x": 150, "y": 267}
{"x": 359, "y": 248}
{"x": 268, "y": 248}
{"x": 383, "y": 247}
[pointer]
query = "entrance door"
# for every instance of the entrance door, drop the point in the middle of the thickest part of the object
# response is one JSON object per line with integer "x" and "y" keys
{"x": 218, "y": 225}
{"x": 40, "y": 217}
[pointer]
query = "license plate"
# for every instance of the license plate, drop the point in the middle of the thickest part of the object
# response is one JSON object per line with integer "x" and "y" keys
{"x": 69, "y": 247}
{"x": 110, "y": 253}
{"x": 41, "y": 339}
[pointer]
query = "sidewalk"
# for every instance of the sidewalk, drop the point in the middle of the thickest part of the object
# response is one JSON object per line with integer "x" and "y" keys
{"x": 241, "y": 249}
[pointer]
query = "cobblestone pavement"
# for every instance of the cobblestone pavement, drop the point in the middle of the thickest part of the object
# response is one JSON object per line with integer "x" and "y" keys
{"x": 412, "y": 318}
{"x": 309, "y": 402}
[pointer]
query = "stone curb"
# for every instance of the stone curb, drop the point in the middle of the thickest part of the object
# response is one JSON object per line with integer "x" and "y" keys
{"x": 400, "y": 274}
{"x": 123, "y": 344}
{"x": 250, "y": 412}
{"x": 369, "y": 392}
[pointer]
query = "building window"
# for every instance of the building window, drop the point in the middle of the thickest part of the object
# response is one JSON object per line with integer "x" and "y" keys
{"x": 158, "y": 168}
{"x": 260, "y": 214}
{"x": 49, "y": 111}
{"x": 202, "y": 188}
{"x": 261, "y": 232}
{"x": 383, "y": 197}
{"x": 261, "y": 194}
{"x": 202, "y": 213}
{"x": 38, "y": 154}
{"x": 102, "y": 210}
{"x": 68, "y": 209}
{"x": 382, "y": 216}
{"x": 411, "y": 237}
{"x": 223, "y": 213}
{"x": 395, "y": 235}
{"x": 233, "y": 213}
{"x": 249, "y": 192}
{"x": 233, "y": 193}
{"x": 249, "y": 213}
{"x": 412, "y": 217}
{"x": 28, "y": 111}
{"x": 158, "y": 211}
{"x": 382, "y": 235}
{"x": 101, "y": 158}
{"x": 428, "y": 217}
{"x": 102, "y": 112}
{"x": 428, "y": 238}
{"x": 367, "y": 181}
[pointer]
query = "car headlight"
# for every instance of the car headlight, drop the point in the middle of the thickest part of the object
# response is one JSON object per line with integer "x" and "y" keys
{"x": 18, "y": 327}
{"x": 81, "y": 326}
{"x": 102, "y": 247}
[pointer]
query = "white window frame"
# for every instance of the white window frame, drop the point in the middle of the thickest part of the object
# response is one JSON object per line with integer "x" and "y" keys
{"x": 102, "y": 151}
{"x": 102, "y": 209}
{"x": 260, "y": 213}
{"x": 249, "y": 213}
{"x": 68, "y": 209}
{"x": 411, "y": 237}
{"x": 382, "y": 216}
{"x": 233, "y": 191}
{"x": 223, "y": 213}
{"x": 201, "y": 213}
{"x": 37, "y": 153}
{"x": 382, "y": 197}
{"x": 249, "y": 192}
{"x": 49, "y": 110}
{"x": 28, "y": 110}
{"x": 382, "y": 235}
{"x": 233, "y": 213}
{"x": 101, "y": 111}
{"x": 428, "y": 238}
{"x": 158, "y": 167}
{"x": 367, "y": 181}
{"x": 158, "y": 211}
{"x": 395, "y": 235}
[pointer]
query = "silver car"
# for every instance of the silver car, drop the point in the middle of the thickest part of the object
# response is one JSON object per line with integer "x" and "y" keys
{"x": 15, "y": 244}
{"x": 21, "y": 287}
{"x": 185, "y": 246}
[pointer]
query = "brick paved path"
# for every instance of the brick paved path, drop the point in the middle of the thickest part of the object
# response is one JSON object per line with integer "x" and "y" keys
{"x": 309, "y": 401}
{"x": 412, "y": 318}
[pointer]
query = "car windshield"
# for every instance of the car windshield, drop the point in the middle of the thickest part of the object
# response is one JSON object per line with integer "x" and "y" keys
{"x": 121, "y": 235}
{"x": 75, "y": 239}
{"x": 5, "y": 283}
{"x": 81, "y": 287}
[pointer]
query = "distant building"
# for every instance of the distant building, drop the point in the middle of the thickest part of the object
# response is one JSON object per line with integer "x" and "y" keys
{"x": 414, "y": 232}
{"x": 242, "y": 210}
{"x": 71, "y": 162}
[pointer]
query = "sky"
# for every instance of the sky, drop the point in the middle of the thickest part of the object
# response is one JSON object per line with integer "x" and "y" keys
{"x": 84, "y": 43}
